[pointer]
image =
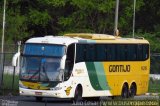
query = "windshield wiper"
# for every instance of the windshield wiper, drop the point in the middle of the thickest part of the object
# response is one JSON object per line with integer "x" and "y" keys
{"x": 34, "y": 74}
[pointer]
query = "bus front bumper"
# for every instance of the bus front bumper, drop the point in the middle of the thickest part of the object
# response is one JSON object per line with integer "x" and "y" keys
{"x": 41, "y": 93}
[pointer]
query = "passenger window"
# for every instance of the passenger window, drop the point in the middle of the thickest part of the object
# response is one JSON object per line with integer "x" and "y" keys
{"x": 121, "y": 52}
{"x": 101, "y": 52}
{"x": 111, "y": 52}
{"x": 131, "y": 53}
{"x": 80, "y": 52}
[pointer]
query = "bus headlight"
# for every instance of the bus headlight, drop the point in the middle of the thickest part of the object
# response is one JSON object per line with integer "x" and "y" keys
{"x": 56, "y": 88}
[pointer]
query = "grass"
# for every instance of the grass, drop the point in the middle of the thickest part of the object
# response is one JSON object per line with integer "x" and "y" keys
{"x": 8, "y": 85}
{"x": 154, "y": 86}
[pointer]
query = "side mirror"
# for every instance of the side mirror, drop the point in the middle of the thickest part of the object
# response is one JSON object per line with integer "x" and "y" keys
{"x": 15, "y": 58}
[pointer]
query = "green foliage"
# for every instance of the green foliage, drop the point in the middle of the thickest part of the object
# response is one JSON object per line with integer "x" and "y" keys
{"x": 148, "y": 16}
{"x": 54, "y": 3}
{"x": 126, "y": 15}
{"x": 38, "y": 18}
{"x": 154, "y": 86}
{"x": 41, "y": 17}
{"x": 88, "y": 16}
{"x": 155, "y": 61}
{"x": 15, "y": 28}
{"x": 154, "y": 42}
{"x": 8, "y": 86}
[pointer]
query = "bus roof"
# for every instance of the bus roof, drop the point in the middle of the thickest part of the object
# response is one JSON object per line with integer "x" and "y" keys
{"x": 105, "y": 38}
{"x": 61, "y": 40}
{"x": 85, "y": 38}
{"x": 92, "y": 36}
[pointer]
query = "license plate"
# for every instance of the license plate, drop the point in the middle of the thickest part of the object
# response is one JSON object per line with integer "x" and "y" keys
{"x": 38, "y": 93}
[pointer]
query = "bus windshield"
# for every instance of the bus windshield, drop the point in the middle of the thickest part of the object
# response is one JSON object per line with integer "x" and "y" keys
{"x": 40, "y": 69}
{"x": 41, "y": 62}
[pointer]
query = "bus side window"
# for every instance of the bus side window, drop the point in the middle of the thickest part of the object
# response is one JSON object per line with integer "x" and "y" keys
{"x": 69, "y": 60}
{"x": 139, "y": 52}
{"x": 121, "y": 52}
{"x": 111, "y": 52}
{"x": 101, "y": 52}
{"x": 90, "y": 53}
{"x": 145, "y": 51}
{"x": 80, "y": 52}
{"x": 131, "y": 53}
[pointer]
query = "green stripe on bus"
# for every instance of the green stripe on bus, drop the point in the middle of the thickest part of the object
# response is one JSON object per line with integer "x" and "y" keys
{"x": 101, "y": 75}
{"x": 93, "y": 76}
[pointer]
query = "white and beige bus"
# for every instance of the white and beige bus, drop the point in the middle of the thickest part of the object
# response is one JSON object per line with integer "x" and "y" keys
{"x": 82, "y": 65}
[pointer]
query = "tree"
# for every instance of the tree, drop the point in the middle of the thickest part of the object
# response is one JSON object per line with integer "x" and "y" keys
{"x": 27, "y": 18}
{"x": 148, "y": 17}
{"x": 15, "y": 28}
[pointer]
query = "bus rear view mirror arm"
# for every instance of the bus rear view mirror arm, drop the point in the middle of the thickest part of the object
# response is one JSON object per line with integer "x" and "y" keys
{"x": 15, "y": 59}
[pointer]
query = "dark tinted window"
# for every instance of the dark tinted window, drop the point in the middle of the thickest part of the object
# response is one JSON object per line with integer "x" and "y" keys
{"x": 145, "y": 51}
{"x": 80, "y": 53}
{"x": 131, "y": 52}
{"x": 90, "y": 52}
{"x": 101, "y": 52}
{"x": 69, "y": 61}
{"x": 112, "y": 52}
{"x": 140, "y": 52}
{"x": 121, "y": 52}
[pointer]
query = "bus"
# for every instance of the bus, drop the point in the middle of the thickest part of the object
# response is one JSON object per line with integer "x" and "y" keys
{"x": 80, "y": 65}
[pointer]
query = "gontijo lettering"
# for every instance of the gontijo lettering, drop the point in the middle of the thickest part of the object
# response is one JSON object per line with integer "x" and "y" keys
{"x": 119, "y": 68}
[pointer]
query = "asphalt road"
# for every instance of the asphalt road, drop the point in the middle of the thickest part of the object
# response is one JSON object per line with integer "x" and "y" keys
{"x": 30, "y": 101}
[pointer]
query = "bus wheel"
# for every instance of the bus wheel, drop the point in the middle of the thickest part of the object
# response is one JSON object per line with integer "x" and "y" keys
{"x": 78, "y": 94}
{"x": 133, "y": 89}
{"x": 124, "y": 93}
{"x": 39, "y": 99}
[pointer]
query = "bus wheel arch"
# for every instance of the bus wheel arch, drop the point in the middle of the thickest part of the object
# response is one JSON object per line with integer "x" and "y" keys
{"x": 125, "y": 90}
{"x": 78, "y": 93}
{"x": 133, "y": 89}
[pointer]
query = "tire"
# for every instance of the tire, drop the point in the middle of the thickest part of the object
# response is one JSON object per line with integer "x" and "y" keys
{"x": 78, "y": 94}
{"x": 124, "y": 93}
{"x": 132, "y": 91}
{"x": 39, "y": 99}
